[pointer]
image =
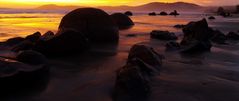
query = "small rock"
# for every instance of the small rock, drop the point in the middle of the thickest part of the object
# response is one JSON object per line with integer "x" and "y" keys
{"x": 163, "y": 35}
{"x": 48, "y": 35}
{"x": 179, "y": 26}
{"x": 211, "y": 18}
{"x": 175, "y": 13}
{"x": 31, "y": 57}
{"x": 163, "y": 13}
{"x": 34, "y": 37}
{"x": 172, "y": 45}
{"x": 152, "y": 14}
{"x": 219, "y": 37}
{"x": 122, "y": 20}
{"x": 128, "y": 13}
{"x": 232, "y": 36}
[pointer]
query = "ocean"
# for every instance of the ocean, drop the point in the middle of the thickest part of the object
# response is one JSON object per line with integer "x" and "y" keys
{"x": 21, "y": 23}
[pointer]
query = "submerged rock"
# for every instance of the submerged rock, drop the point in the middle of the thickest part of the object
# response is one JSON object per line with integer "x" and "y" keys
{"x": 122, "y": 20}
{"x": 94, "y": 24}
{"x": 163, "y": 35}
{"x": 197, "y": 36}
{"x": 128, "y": 13}
{"x": 232, "y": 36}
{"x": 66, "y": 43}
{"x": 163, "y": 13}
{"x": 152, "y": 14}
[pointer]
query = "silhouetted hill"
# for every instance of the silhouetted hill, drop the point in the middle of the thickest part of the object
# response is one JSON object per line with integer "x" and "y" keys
{"x": 154, "y": 6}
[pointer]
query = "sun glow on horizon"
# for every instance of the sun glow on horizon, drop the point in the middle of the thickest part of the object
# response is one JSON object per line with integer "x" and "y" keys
{"x": 35, "y": 3}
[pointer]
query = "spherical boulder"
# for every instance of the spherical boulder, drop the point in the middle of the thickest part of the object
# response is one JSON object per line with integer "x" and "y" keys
{"x": 122, "y": 20}
{"x": 94, "y": 23}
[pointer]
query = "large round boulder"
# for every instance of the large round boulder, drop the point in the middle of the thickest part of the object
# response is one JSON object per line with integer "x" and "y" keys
{"x": 122, "y": 20}
{"x": 94, "y": 23}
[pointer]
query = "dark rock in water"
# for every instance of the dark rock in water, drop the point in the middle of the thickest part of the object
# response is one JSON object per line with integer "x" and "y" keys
{"x": 25, "y": 45}
{"x": 122, "y": 20}
{"x": 163, "y": 35}
{"x": 211, "y": 18}
{"x": 34, "y": 37}
{"x": 146, "y": 54}
{"x": 48, "y": 35}
{"x": 14, "y": 41}
{"x": 131, "y": 35}
{"x": 175, "y": 13}
{"x": 152, "y": 14}
{"x": 17, "y": 78}
{"x": 128, "y": 13}
{"x": 179, "y": 26}
{"x": 66, "y": 43}
{"x": 219, "y": 37}
{"x": 133, "y": 80}
{"x": 172, "y": 45}
{"x": 221, "y": 11}
{"x": 197, "y": 46}
{"x": 163, "y": 13}
{"x": 95, "y": 24}
{"x": 232, "y": 36}
{"x": 31, "y": 57}
{"x": 197, "y": 36}
{"x": 131, "y": 84}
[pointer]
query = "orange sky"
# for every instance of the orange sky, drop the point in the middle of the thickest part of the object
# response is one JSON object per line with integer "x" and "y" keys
{"x": 34, "y": 3}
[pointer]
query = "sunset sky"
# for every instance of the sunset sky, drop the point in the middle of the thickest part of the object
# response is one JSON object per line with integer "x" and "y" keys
{"x": 34, "y": 3}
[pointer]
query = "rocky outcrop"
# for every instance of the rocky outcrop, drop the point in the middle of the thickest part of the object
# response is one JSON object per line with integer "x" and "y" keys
{"x": 66, "y": 43}
{"x": 128, "y": 13}
{"x": 197, "y": 37}
{"x": 133, "y": 80}
{"x": 163, "y": 35}
{"x": 95, "y": 24}
{"x": 122, "y": 20}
